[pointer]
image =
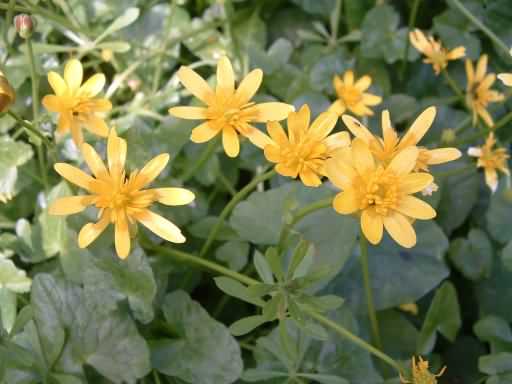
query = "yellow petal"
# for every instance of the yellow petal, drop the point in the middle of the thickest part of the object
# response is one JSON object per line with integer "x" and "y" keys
{"x": 160, "y": 226}
{"x": 363, "y": 83}
{"x": 93, "y": 160}
{"x": 371, "y": 224}
{"x": 363, "y": 158}
{"x": 340, "y": 174}
{"x": 191, "y": 113}
{"x": 261, "y": 113}
{"x": 491, "y": 178}
{"x": 298, "y": 123}
{"x": 257, "y": 137}
{"x": 151, "y": 170}
{"x": 174, "y": 196}
{"x": 204, "y": 132}
{"x": 52, "y": 103}
{"x": 486, "y": 116}
{"x": 357, "y": 129}
{"x": 225, "y": 76}
{"x": 337, "y": 140}
{"x": 116, "y": 151}
{"x": 74, "y": 175}
{"x": 277, "y": 133}
{"x": 230, "y": 141}
{"x": 272, "y": 153}
{"x": 405, "y": 161}
{"x": 195, "y": 84}
{"x": 470, "y": 72}
{"x": 481, "y": 68}
{"x": 456, "y": 53}
{"x": 91, "y": 231}
{"x": 92, "y": 86}
{"x": 249, "y": 86}
{"x": 99, "y": 105}
{"x": 76, "y": 132}
{"x": 73, "y": 73}
{"x": 346, "y": 202}
{"x": 97, "y": 126}
{"x": 506, "y": 78}
{"x": 64, "y": 123}
{"x": 371, "y": 100}
{"x": 348, "y": 78}
{"x": 284, "y": 170}
{"x": 309, "y": 177}
{"x": 338, "y": 107}
{"x": 413, "y": 207}
{"x": 388, "y": 133}
{"x": 69, "y": 205}
{"x": 122, "y": 236}
{"x": 415, "y": 182}
{"x": 323, "y": 125}
{"x": 419, "y": 128}
{"x": 360, "y": 109}
{"x": 442, "y": 155}
{"x": 400, "y": 229}
{"x": 57, "y": 83}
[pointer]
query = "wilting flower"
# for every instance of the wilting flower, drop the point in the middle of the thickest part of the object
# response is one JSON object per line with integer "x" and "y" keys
{"x": 352, "y": 96}
{"x": 121, "y": 199}
{"x": 506, "y": 78}
{"x": 491, "y": 160}
{"x": 77, "y": 104}
{"x": 387, "y": 147}
{"x": 7, "y": 94}
{"x": 478, "y": 90}
{"x": 304, "y": 150}
{"x": 421, "y": 374}
{"x": 228, "y": 110}
{"x": 435, "y": 53}
{"x": 382, "y": 194}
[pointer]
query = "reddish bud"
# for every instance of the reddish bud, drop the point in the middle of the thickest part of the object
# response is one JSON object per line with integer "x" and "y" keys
{"x": 24, "y": 25}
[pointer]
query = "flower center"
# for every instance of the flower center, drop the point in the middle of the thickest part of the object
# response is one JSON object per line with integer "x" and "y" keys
{"x": 351, "y": 95}
{"x": 379, "y": 190}
{"x": 438, "y": 56}
{"x": 307, "y": 152}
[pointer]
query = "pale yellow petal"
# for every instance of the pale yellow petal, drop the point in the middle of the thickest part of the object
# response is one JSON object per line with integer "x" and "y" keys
{"x": 470, "y": 72}
{"x": 230, "y": 141}
{"x": 405, "y": 161}
{"x": 53, "y": 103}
{"x": 371, "y": 225}
{"x": 174, "y": 196}
{"x": 257, "y": 137}
{"x": 363, "y": 158}
{"x": 272, "y": 111}
{"x": 481, "y": 68}
{"x": 486, "y": 116}
{"x": 363, "y": 83}
{"x": 413, "y": 207}
{"x": 195, "y": 84}
{"x": 338, "y": 107}
{"x": 456, "y": 53}
{"x": 191, "y": 113}
{"x": 348, "y": 78}
{"x": 491, "y": 178}
{"x": 506, "y": 78}
{"x": 57, "y": 83}
{"x": 323, "y": 125}
{"x": 371, "y": 99}
{"x": 419, "y": 128}
{"x": 277, "y": 133}
{"x": 337, "y": 140}
{"x": 442, "y": 155}
{"x": 160, "y": 226}
{"x": 204, "y": 132}
{"x": 298, "y": 123}
{"x": 93, "y": 160}
{"x": 92, "y": 86}
{"x": 96, "y": 125}
{"x": 69, "y": 205}
{"x": 249, "y": 86}
{"x": 284, "y": 170}
{"x": 388, "y": 133}
{"x": 346, "y": 202}
{"x": 357, "y": 129}
{"x": 73, "y": 74}
{"x": 400, "y": 229}
{"x": 91, "y": 231}
{"x": 225, "y": 76}
{"x": 122, "y": 236}
{"x": 116, "y": 151}
{"x": 152, "y": 169}
{"x": 415, "y": 182}
{"x": 339, "y": 173}
{"x": 74, "y": 175}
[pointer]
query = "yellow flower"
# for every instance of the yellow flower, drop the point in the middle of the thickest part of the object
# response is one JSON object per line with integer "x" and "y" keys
{"x": 478, "y": 90}
{"x": 491, "y": 160}
{"x": 506, "y": 78}
{"x": 77, "y": 103}
{"x": 7, "y": 94}
{"x": 228, "y": 110}
{"x": 421, "y": 374}
{"x": 387, "y": 147}
{"x": 382, "y": 194}
{"x": 120, "y": 199}
{"x": 352, "y": 95}
{"x": 304, "y": 151}
{"x": 435, "y": 53}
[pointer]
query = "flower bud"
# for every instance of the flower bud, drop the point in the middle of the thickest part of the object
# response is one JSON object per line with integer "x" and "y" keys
{"x": 7, "y": 94}
{"x": 24, "y": 25}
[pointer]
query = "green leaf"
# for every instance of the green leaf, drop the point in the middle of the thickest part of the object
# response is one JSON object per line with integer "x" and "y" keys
{"x": 250, "y": 30}
{"x": 246, "y": 325}
{"x": 13, "y": 278}
{"x": 495, "y": 331}
{"x": 205, "y": 352}
{"x": 443, "y": 316}
{"x": 236, "y": 289}
{"x": 317, "y": 7}
{"x": 327, "y": 66}
{"x": 234, "y": 253}
{"x": 496, "y": 363}
{"x": 324, "y": 379}
{"x": 472, "y": 256}
{"x": 202, "y": 228}
{"x": 498, "y": 216}
{"x": 274, "y": 260}
{"x": 128, "y": 17}
{"x": 263, "y": 268}
{"x": 7, "y": 310}
{"x": 13, "y": 153}
{"x": 494, "y": 294}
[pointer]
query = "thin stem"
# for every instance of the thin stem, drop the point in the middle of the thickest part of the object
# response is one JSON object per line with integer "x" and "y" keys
{"x": 229, "y": 207}
{"x": 500, "y": 124}
{"x": 203, "y": 158}
{"x": 335, "y": 21}
{"x": 453, "y": 85}
{"x": 8, "y": 21}
{"x": 412, "y": 22}
{"x": 156, "y": 378}
{"x": 363, "y": 257}
{"x": 490, "y": 34}
{"x": 29, "y": 127}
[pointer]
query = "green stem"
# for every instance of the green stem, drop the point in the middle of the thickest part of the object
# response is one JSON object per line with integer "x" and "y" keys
{"x": 8, "y": 22}
{"x": 35, "y": 112}
{"x": 500, "y": 124}
{"x": 412, "y": 22}
{"x": 229, "y": 207}
{"x": 29, "y": 127}
{"x": 453, "y": 85}
{"x": 363, "y": 244}
{"x": 335, "y": 21}
{"x": 156, "y": 378}
{"x": 490, "y": 34}
{"x": 203, "y": 158}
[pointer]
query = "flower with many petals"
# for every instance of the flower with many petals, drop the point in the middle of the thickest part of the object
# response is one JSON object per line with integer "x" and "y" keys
{"x": 421, "y": 374}
{"x": 382, "y": 194}
{"x": 352, "y": 95}
{"x": 435, "y": 53}
{"x": 228, "y": 110}
{"x": 387, "y": 147}
{"x": 506, "y": 78}
{"x": 491, "y": 160}
{"x": 76, "y": 103}
{"x": 478, "y": 90}
{"x": 121, "y": 199}
{"x": 305, "y": 149}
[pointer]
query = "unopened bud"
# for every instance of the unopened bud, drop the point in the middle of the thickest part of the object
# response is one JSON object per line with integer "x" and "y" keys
{"x": 24, "y": 25}
{"x": 107, "y": 55}
{"x": 448, "y": 136}
{"x": 7, "y": 94}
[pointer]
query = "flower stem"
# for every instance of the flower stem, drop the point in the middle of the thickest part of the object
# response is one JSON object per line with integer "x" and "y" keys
{"x": 453, "y": 85}
{"x": 229, "y": 207}
{"x": 412, "y": 21}
{"x": 29, "y": 127}
{"x": 363, "y": 257}
{"x": 203, "y": 158}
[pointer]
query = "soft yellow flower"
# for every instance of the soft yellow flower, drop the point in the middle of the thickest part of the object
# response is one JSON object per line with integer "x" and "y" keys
{"x": 7, "y": 94}
{"x": 121, "y": 199}
{"x": 387, "y": 147}
{"x": 228, "y": 110}
{"x": 421, "y": 374}
{"x": 382, "y": 194}
{"x": 77, "y": 103}
{"x": 491, "y": 160}
{"x": 304, "y": 151}
{"x": 506, "y": 78}
{"x": 352, "y": 96}
{"x": 478, "y": 90}
{"x": 435, "y": 53}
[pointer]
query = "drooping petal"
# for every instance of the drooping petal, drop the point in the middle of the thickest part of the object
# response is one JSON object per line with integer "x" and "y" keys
{"x": 357, "y": 129}
{"x": 298, "y": 123}
{"x": 94, "y": 161}
{"x": 249, "y": 86}
{"x": 230, "y": 141}
{"x": 191, "y": 113}
{"x": 195, "y": 84}
{"x": 52, "y": 103}
{"x": 91, "y": 231}
{"x": 415, "y": 182}
{"x": 413, "y": 207}
{"x": 160, "y": 226}
{"x": 73, "y": 74}
{"x": 225, "y": 77}
{"x": 151, "y": 170}
{"x": 257, "y": 137}
{"x": 419, "y": 128}
{"x": 363, "y": 158}
{"x": 122, "y": 236}
{"x": 57, "y": 83}
{"x": 323, "y": 125}
{"x": 491, "y": 178}
{"x": 400, "y": 229}
{"x": 371, "y": 224}
{"x": 475, "y": 151}
{"x": 64, "y": 123}
{"x": 69, "y": 205}
{"x": 506, "y": 78}
{"x": 174, "y": 196}
{"x": 486, "y": 116}
{"x": 272, "y": 111}
{"x": 346, "y": 202}
{"x": 74, "y": 175}
{"x": 405, "y": 161}
{"x": 76, "y": 132}
{"x": 442, "y": 155}
{"x": 92, "y": 86}
{"x": 204, "y": 132}
{"x": 96, "y": 125}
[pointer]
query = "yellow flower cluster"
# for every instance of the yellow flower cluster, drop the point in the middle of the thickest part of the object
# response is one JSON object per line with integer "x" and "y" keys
{"x": 421, "y": 374}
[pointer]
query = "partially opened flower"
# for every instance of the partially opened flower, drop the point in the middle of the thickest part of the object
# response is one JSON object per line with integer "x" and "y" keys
{"x": 77, "y": 104}
{"x": 352, "y": 95}
{"x": 381, "y": 194}
{"x": 478, "y": 90}
{"x": 306, "y": 147}
{"x": 491, "y": 160}
{"x": 421, "y": 374}
{"x": 121, "y": 199}
{"x": 228, "y": 110}
{"x": 7, "y": 94}
{"x": 387, "y": 147}
{"x": 434, "y": 52}
{"x": 506, "y": 78}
